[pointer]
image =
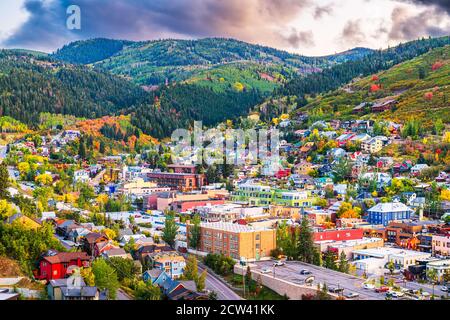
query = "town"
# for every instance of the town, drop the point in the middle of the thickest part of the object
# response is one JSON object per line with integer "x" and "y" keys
{"x": 356, "y": 209}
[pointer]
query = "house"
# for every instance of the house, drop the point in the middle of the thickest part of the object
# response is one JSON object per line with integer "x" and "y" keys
{"x": 372, "y": 145}
{"x": 359, "y": 108}
{"x": 182, "y": 290}
{"x": 383, "y": 213}
{"x": 336, "y": 153}
{"x": 81, "y": 176}
{"x": 344, "y": 138}
{"x": 155, "y": 276}
{"x": 90, "y": 240}
{"x": 170, "y": 262}
{"x": 24, "y": 221}
{"x": 146, "y": 250}
{"x": 72, "y": 288}
{"x": 116, "y": 253}
{"x": 418, "y": 168}
{"x": 384, "y": 105}
{"x": 56, "y": 265}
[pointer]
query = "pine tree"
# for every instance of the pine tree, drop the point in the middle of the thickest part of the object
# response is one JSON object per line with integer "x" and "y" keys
{"x": 4, "y": 181}
{"x": 343, "y": 263}
{"x": 306, "y": 249}
{"x": 195, "y": 232}
{"x": 170, "y": 229}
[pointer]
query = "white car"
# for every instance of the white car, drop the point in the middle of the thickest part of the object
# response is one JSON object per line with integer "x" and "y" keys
{"x": 396, "y": 294}
{"x": 266, "y": 270}
{"x": 444, "y": 288}
{"x": 278, "y": 264}
{"x": 368, "y": 286}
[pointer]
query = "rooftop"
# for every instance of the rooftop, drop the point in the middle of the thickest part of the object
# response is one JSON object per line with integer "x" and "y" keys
{"x": 232, "y": 227}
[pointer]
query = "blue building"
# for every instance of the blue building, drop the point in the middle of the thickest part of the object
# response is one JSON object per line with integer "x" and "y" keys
{"x": 383, "y": 213}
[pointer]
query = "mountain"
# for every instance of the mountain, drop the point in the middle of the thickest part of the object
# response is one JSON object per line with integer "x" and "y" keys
{"x": 33, "y": 84}
{"x": 154, "y": 62}
{"x": 89, "y": 51}
{"x": 349, "y": 55}
{"x": 421, "y": 86}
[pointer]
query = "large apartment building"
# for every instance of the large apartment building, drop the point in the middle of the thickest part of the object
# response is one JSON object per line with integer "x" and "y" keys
{"x": 236, "y": 240}
{"x": 260, "y": 195}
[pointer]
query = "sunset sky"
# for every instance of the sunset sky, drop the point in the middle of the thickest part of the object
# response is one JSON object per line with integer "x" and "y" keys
{"x": 309, "y": 27}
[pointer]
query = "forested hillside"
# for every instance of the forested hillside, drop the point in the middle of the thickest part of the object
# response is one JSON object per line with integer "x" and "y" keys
{"x": 30, "y": 85}
{"x": 89, "y": 51}
{"x": 420, "y": 86}
{"x": 334, "y": 77}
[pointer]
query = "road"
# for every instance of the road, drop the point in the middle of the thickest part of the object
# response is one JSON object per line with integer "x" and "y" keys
{"x": 121, "y": 295}
{"x": 216, "y": 285}
{"x": 291, "y": 272}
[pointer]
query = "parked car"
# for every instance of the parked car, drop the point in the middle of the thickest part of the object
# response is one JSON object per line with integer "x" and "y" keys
{"x": 368, "y": 286}
{"x": 305, "y": 272}
{"x": 278, "y": 264}
{"x": 395, "y": 294}
{"x": 351, "y": 295}
{"x": 266, "y": 270}
{"x": 382, "y": 289}
{"x": 444, "y": 288}
{"x": 335, "y": 289}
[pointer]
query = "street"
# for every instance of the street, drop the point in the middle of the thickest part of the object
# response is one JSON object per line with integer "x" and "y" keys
{"x": 291, "y": 272}
{"x": 216, "y": 285}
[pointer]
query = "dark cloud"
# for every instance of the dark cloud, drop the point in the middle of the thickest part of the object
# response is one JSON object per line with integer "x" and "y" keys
{"x": 443, "y": 4}
{"x": 252, "y": 20}
{"x": 408, "y": 26}
{"x": 319, "y": 11}
{"x": 300, "y": 38}
{"x": 352, "y": 33}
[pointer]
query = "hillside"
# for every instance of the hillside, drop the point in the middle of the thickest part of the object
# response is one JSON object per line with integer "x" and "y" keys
{"x": 30, "y": 85}
{"x": 420, "y": 85}
{"x": 301, "y": 89}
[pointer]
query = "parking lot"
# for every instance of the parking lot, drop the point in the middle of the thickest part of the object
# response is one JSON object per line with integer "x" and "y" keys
{"x": 291, "y": 272}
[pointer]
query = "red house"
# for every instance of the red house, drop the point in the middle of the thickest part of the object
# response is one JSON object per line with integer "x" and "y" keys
{"x": 55, "y": 266}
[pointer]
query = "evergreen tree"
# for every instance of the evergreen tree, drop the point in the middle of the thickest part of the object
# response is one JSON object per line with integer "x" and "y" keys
{"x": 195, "y": 232}
{"x": 306, "y": 249}
{"x": 4, "y": 181}
{"x": 170, "y": 229}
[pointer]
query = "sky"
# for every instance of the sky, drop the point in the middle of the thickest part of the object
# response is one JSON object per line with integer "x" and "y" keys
{"x": 308, "y": 27}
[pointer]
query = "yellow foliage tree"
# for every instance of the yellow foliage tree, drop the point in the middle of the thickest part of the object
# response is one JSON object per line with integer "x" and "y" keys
{"x": 44, "y": 179}
{"x": 445, "y": 195}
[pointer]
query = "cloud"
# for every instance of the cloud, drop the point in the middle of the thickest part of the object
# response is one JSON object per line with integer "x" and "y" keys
{"x": 320, "y": 11}
{"x": 299, "y": 38}
{"x": 352, "y": 33}
{"x": 255, "y": 20}
{"x": 407, "y": 25}
{"x": 443, "y": 4}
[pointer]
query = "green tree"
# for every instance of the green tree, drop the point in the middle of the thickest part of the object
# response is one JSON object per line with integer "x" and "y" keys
{"x": 306, "y": 249}
{"x": 343, "y": 263}
{"x": 432, "y": 276}
{"x": 330, "y": 260}
{"x": 146, "y": 291}
{"x": 125, "y": 268}
{"x": 105, "y": 277}
{"x": 4, "y": 181}
{"x": 195, "y": 232}
{"x": 88, "y": 276}
{"x": 201, "y": 281}
{"x": 170, "y": 229}
{"x": 191, "y": 269}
